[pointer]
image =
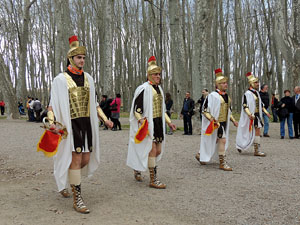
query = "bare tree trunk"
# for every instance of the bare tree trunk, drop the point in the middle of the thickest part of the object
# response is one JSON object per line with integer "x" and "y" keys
{"x": 289, "y": 43}
{"x": 107, "y": 59}
{"x": 202, "y": 53}
{"x": 177, "y": 54}
{"x": 63, "y": 32}
{"x": 21, "y": 90}
{"x": 223, "y": 28}
{"x": 6, "y": 86}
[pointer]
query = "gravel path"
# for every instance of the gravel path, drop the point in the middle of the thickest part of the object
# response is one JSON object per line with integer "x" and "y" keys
{"x": 257, "y": 191}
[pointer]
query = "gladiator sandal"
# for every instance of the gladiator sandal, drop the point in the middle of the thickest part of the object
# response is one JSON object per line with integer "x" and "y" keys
{"x": 138, "y": 175}
{"x": 78, "y": 203}
{"x": 257, "y": 152}
{"x": 223, "y": 163}
{"x": 154, "y": 183}
{"x": 197, "y": 156}
{"x": 65, "y": 193}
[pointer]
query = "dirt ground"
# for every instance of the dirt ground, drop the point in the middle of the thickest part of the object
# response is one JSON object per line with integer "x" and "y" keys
{"x": 257, "y": 191}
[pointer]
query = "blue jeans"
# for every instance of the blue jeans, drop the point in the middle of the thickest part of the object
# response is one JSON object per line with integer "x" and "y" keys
{"x": 266, "y": 123}
{"x": 289, "y": 123}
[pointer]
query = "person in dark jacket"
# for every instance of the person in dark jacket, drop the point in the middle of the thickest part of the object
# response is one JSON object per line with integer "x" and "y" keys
{"x": 264, "y": 95}
{"x": 169, "y": 104}
{"x": 187, "y": 112}
{"x": 296, "y": 115}
{"x": 201, "y": 101}
{"x": 274, "y": 107}
{"x": 105, "y": 106}
{"x": 102, "y": 104}
{"x": 37, "y": 108}
{"x": 286, "y": 113}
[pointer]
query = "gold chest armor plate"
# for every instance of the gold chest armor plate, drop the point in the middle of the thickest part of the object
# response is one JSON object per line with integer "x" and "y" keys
{"x": 79, "y": 98}
{"x": 157, "y": 103}
{"x": 223, "y": 110}
{"x": 256, "y": 103}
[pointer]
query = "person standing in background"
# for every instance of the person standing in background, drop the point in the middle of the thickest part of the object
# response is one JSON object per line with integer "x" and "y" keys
{"x": 264, "y": 95}
{"x": 2, "y": 106}
{"x": 115, "y": 112}
{"x": 37, "y": 107}
{"x": 201, "y": 101}
{"x": 187, "y": 112}
{"x": 274, "y": 103}
{"x": 296, "y": 116}
{"x": 106, "y": 109}
{"x": 285, "y": 113}
{"x": 32, "y": 117}
{"x": 169, "y": 104}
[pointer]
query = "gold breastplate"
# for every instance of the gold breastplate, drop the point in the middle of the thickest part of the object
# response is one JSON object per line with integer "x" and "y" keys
{"x": 157, "y": 103}
{"x": 256, "y": 103}
{"x": 79, "y": 98}
{"x": 223, "y": 110}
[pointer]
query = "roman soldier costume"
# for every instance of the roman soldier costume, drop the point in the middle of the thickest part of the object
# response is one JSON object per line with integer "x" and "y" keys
{"x": 251, "y": 118}
{"x": 215, "y": 124}
{"x": 73, "y": 101}
{"x": 148, "y": 103}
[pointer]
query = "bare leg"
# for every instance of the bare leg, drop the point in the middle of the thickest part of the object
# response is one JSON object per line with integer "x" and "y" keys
{"x": 85, "y": 159}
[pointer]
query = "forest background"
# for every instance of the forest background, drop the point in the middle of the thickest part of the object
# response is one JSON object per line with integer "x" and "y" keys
{"x": 190, "y": 38}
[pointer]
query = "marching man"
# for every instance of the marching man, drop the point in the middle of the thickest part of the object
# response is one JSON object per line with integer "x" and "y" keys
{"x": 73, "y": 104}
{"x": 215, "y": 124}
{"x": 248, "y": 131}
{"x": 147, "y": 119}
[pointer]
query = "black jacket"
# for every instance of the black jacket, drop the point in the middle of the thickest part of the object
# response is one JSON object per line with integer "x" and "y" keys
{"x": 289, "y": 104}
{"x": 296, "y": 104}
{"x": 275, "y": 104}
{"x": 169, "y": 104}
{"x": 191, "y": 106}
{"x": 105, "y": 106}
{"x": 265, "y": 99}
{"x": 201, "y": 101}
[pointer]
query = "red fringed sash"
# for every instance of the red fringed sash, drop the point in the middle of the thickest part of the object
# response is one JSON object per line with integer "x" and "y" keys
{"x": 49, "y": 143}
{"x": 211, "y": 127}
{"x": 250, "y": 125}
{"x": 142, "y": 132}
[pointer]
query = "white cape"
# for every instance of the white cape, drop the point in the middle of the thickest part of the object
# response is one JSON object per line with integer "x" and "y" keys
{"x": 208, "y": 146}
{"x": 137, "y": 157}
{"x": 61, "y": 108}
{"x": 244, "y": 137}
